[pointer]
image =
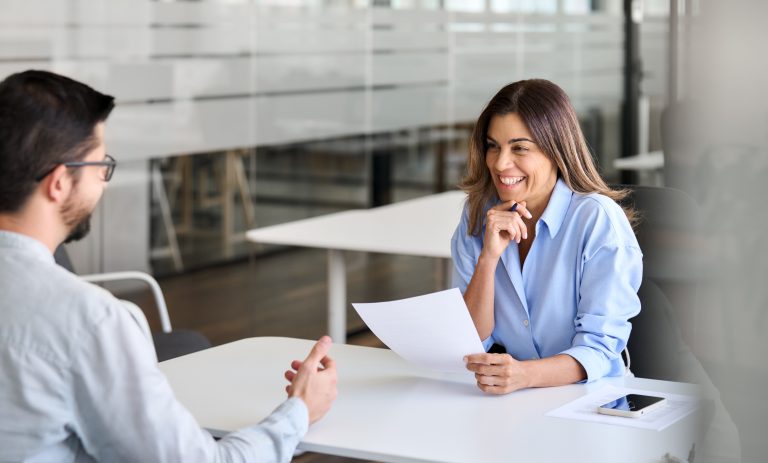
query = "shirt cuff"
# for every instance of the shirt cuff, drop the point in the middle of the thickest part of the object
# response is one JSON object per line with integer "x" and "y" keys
{"x": 588, "y": 358}
{"x": 295, "y": 410}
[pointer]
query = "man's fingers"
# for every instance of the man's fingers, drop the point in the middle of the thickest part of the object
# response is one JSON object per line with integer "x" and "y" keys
{"x": 289, "y": 375}
{"x": 296, "y": 364}
{"x": 319, "y": 350}
{"x": 328, "y": 363}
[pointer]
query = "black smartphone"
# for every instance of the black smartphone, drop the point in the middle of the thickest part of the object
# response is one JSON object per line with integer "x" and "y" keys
{"x": 632, "y": 405}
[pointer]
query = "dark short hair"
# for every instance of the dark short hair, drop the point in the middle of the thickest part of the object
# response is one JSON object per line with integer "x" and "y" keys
{"x": 45, "y": 120}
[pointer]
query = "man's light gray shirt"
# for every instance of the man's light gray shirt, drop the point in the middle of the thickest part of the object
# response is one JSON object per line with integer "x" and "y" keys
{"x": 79, "y": 380}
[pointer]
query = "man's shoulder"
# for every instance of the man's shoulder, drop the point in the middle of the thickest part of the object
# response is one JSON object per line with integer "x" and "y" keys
{"x": 87, "y": 305}
{"x": 48, "y": 297}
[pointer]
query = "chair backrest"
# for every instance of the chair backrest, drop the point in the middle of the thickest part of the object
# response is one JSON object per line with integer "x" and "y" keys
{"x": 168, "y": 343}
{"x": 655, "y": 344}
{"x": 62, "y": 258}
{"x": 668, "y": 220}
{"x": 661, "y": 208}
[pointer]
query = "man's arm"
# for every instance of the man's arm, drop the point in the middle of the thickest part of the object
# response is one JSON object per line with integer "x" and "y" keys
{"x": 126, "y": 411}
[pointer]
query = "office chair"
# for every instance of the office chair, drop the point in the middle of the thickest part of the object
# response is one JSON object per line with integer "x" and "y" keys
{"x": 169, "y": 343}
{"x": 669, "y": 235}
{"x": 655, "y": 343}
{"x": 669, "y": 219}
{"x": 673, "y": 266}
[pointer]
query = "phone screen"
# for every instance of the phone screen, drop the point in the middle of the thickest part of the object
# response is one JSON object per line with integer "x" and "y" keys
{"x": 632, "y": 402}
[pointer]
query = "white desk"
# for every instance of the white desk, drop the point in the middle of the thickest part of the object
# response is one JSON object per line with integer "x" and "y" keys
{"x": 418, "y": 227}
{"x": 389, "y": 411}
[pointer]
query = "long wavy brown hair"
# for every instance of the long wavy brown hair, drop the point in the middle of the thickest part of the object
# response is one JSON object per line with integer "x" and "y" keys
{"x": 547, "y": 112}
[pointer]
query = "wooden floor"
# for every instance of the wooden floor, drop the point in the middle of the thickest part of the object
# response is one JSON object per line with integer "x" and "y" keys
{"x": 284, "y": 294}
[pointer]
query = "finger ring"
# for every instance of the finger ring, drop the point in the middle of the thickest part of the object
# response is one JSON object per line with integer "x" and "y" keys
{"x": 513, "y": 208}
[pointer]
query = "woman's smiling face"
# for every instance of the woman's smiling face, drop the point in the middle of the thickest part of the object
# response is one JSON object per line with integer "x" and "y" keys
{"x": 520, "y": 170}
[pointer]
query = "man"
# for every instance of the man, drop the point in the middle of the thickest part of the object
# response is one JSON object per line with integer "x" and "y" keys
{"x": 78, "y": 379}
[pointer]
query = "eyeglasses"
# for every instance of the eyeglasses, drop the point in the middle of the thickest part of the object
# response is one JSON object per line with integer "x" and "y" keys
{"x": 108, "y": 164}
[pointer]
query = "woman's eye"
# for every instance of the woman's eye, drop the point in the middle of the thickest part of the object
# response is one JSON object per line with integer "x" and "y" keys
{"x": 519, "y": 148}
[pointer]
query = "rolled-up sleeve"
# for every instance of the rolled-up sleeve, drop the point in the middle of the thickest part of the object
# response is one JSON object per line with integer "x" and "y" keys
{"x": 611, "y": 277}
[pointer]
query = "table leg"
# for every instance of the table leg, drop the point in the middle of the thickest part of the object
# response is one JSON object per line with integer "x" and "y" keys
{"x": 337, "y": 296}
{"x": 444, "y": 271}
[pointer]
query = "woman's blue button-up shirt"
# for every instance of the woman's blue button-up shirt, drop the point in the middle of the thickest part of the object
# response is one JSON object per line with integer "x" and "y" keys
{"x": 577, "y": 289}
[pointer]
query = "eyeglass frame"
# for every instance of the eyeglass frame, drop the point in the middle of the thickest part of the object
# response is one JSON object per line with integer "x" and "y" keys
{"x": 109, "y": 162}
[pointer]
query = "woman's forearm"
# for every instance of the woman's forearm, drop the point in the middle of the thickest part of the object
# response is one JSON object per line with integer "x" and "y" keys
{"x": 479, "y": 295}
{"x": 557, "y": 370}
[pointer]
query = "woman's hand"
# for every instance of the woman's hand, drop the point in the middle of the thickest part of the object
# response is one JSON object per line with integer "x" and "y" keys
{"x": 502, "y": 226}
{"x": 497, "y": 373}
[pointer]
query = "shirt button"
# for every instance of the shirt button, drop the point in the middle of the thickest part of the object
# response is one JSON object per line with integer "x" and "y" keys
{"x": 525, "y": 322}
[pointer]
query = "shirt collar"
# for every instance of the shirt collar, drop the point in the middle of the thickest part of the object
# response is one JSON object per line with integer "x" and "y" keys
{"x": 26, "y": 244}
{"x": 557, "y": 208}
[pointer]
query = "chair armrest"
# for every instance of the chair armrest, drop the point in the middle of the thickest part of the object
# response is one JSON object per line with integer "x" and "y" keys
{"x": 162, "y": 309}
{"x": 140, "y": 319}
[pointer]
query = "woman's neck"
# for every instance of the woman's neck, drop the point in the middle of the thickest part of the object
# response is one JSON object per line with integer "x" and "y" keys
{"x": 537, "y": 206}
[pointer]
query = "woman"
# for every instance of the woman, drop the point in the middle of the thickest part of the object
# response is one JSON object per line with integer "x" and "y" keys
{"x": 545, "y": 257}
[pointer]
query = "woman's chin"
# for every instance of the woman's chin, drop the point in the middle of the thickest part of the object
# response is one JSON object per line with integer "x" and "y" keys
{"x": 506, "y": 195}
{"x": 511, "y": 192}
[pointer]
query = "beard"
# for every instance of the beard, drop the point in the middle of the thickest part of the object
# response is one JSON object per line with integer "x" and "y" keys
{"x": 77, "y": 217}
{"x": 80, "y": 230}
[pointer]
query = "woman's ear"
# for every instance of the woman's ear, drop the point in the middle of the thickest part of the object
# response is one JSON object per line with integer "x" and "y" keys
{"x": 58, "y": 184}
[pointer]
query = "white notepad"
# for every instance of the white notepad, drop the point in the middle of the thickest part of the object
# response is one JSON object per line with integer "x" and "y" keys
{"x": 678, "y": 406}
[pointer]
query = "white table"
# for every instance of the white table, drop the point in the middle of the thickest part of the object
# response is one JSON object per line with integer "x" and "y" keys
{"x": 417, "y": 227}
{"x": 387, "y": 410}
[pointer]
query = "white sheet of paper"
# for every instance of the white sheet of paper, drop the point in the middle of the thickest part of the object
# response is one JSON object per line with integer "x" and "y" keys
{"x": 585, "y": 408}
{"x": 433, "y": 331}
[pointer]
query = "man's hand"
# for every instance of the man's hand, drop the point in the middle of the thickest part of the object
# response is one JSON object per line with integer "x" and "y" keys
{"x": 314, "y": 380}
